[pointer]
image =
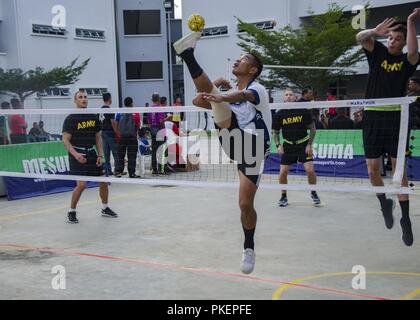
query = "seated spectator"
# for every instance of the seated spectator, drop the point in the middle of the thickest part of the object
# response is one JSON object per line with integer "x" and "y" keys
{"x": 34, "y": 133}
{"x": 341, "y": 120}
{"x": 144, "y": 150}
{"x": 44, "y": 135}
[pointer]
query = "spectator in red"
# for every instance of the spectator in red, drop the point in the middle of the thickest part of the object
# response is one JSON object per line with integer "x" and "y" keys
{"x": 17, "y": 124}
{"x": 330, "y": 97}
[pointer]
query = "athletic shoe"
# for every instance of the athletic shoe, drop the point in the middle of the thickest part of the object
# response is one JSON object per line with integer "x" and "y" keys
{"x": 315, "y": 199}
{"x": 283, "y": 202}
{"x": 248, "y": 261}
{"x": 387, "y": 213}
{"x": 187, "y": 42}
{"x": 71, "y": 216}
{"x": 134, "y": 176}
{"x": 109, "y": 213}
{"x": 407, "y": 233}
{"x": 117, "y": 174}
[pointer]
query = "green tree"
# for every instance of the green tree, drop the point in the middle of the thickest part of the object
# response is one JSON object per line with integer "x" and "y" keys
{"x": 16, "y": 82}
{"x": 325, "y": 40}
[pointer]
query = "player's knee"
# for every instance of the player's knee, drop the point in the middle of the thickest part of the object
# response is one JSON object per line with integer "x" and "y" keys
{"x": 374, "y": 171}
{"x": 246, "y": 206}
{"x": 81, "y": 185}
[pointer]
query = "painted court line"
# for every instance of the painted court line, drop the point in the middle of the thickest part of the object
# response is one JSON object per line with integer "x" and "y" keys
{"x": 195, "y": 270}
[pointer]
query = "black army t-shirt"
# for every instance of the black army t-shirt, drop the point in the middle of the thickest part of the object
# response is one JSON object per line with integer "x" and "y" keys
{"x": 294, "y": 123}
{"x": 83, "y": 129}
{"x": 388, "y": 74}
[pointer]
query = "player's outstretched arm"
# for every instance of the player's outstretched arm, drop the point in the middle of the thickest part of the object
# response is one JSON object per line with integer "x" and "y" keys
{"x": 412, "y": 44}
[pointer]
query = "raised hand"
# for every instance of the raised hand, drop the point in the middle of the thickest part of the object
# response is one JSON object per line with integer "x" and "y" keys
{"x": 415, "y": 15}
{"x": 385, "y": 27}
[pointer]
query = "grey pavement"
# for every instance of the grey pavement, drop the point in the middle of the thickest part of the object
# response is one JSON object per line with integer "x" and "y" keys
{"x": 186, "y": 243}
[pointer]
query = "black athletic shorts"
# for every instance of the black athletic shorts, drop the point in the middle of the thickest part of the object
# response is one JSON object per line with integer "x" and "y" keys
{"x": 381, "y": 130}
{"x": 89, "y": 168}
{"x": 294, "y": 153}
{"x": 250, "y": 156}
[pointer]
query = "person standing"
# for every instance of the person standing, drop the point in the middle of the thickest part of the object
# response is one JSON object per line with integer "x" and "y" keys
{"x": 128, "y": 125}
{"x": 17, "y": 125}
{"x": 82, "y": 139}
{"x": 109, "y": 129}
{"x": 297, "y": 147}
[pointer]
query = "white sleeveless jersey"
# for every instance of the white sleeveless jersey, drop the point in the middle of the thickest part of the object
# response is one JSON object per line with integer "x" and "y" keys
{"x": 246, "y": 111}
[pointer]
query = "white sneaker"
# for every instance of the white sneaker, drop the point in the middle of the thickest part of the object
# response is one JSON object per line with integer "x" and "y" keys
{"x": 248, "y": 261}
{"x": 186, "y": 42}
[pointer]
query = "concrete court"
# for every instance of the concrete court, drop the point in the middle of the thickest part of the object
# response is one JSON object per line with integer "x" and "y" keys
{"x": 186, "y": 243}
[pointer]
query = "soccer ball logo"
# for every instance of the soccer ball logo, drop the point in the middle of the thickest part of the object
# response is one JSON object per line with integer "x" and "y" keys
{"x": 196, "y": 22}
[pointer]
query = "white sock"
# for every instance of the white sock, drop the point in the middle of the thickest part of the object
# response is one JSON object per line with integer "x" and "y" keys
{"x": 104, "y": 206}
{"x": 72, "y": 210}
{"x": 221, "y": 111}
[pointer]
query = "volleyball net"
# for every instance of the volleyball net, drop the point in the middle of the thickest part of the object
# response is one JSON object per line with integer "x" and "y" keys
{"x": 188, "y": 151}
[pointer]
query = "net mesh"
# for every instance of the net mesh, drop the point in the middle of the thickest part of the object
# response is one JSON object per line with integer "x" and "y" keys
{"x": 192, "y": 155}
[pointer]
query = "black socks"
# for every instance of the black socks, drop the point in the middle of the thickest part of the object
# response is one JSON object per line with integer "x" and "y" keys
{"x": 405, "y": 205}
{"x": 192, "y": 64}
{"x": 249, "y": 238}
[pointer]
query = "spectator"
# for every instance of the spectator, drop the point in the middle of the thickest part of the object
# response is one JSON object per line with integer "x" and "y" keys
{"x": 128, "y": 125}
{"x": 145, "y": 118}
{"x": 341, "y": 121}
{"x": 3, "y": 119}
{"x": 144, "y": 150}
{"x": 332, "y": 112}
{"x": 109, "y": 133}
{"x": 34, "y": 133}
{"x": 156, "y": 122}
{"x": 44, "y": 135}
{"x": 315, "y": 117}
{"x": 358, "y": 119}
{"x": 414, "y": 91}
{"x": 177, "y": 117}
{"x": 17, "y": 124}
{"x": 3, "y": 137}
{"x": 308, "y": 94}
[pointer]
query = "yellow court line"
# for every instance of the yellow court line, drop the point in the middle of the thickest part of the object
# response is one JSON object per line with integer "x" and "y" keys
{"x": 83, "y": 203}
{"x": 278, "y": 293}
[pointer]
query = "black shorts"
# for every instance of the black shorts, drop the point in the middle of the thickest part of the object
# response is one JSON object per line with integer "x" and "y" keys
{"x": 294, "y": 153}
{"x": 254, "y": 150}
{"x": 89, "y": 168}
{"x": 381, "y": 130}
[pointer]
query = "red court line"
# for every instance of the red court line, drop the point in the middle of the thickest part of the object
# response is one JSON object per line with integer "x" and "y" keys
{"x": 195, "y": 270}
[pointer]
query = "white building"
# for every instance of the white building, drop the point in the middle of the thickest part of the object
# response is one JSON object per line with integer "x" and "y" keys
{"x": 86, "y": 29}
{"x": 218, "y": 48}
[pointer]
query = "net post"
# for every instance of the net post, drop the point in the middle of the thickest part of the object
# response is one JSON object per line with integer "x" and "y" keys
{"x": 402, "y": 144}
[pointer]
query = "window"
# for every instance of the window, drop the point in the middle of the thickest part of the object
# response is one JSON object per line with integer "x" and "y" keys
{"x": 142, "y": 22}
{"x": 215, "y": 31}
{"x": 95, "y": 92}
{"x": 90, "y": 34}
{"x": 263, "y": 25}
{"x": 48, "y": 30}
{"x": 54, "y": 92}
{"x": 144, "y": 70}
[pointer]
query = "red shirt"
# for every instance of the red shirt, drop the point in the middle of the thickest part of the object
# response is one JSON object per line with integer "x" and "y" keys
{"x": 332, "y": 111}
{"x": 16, "y": 122}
